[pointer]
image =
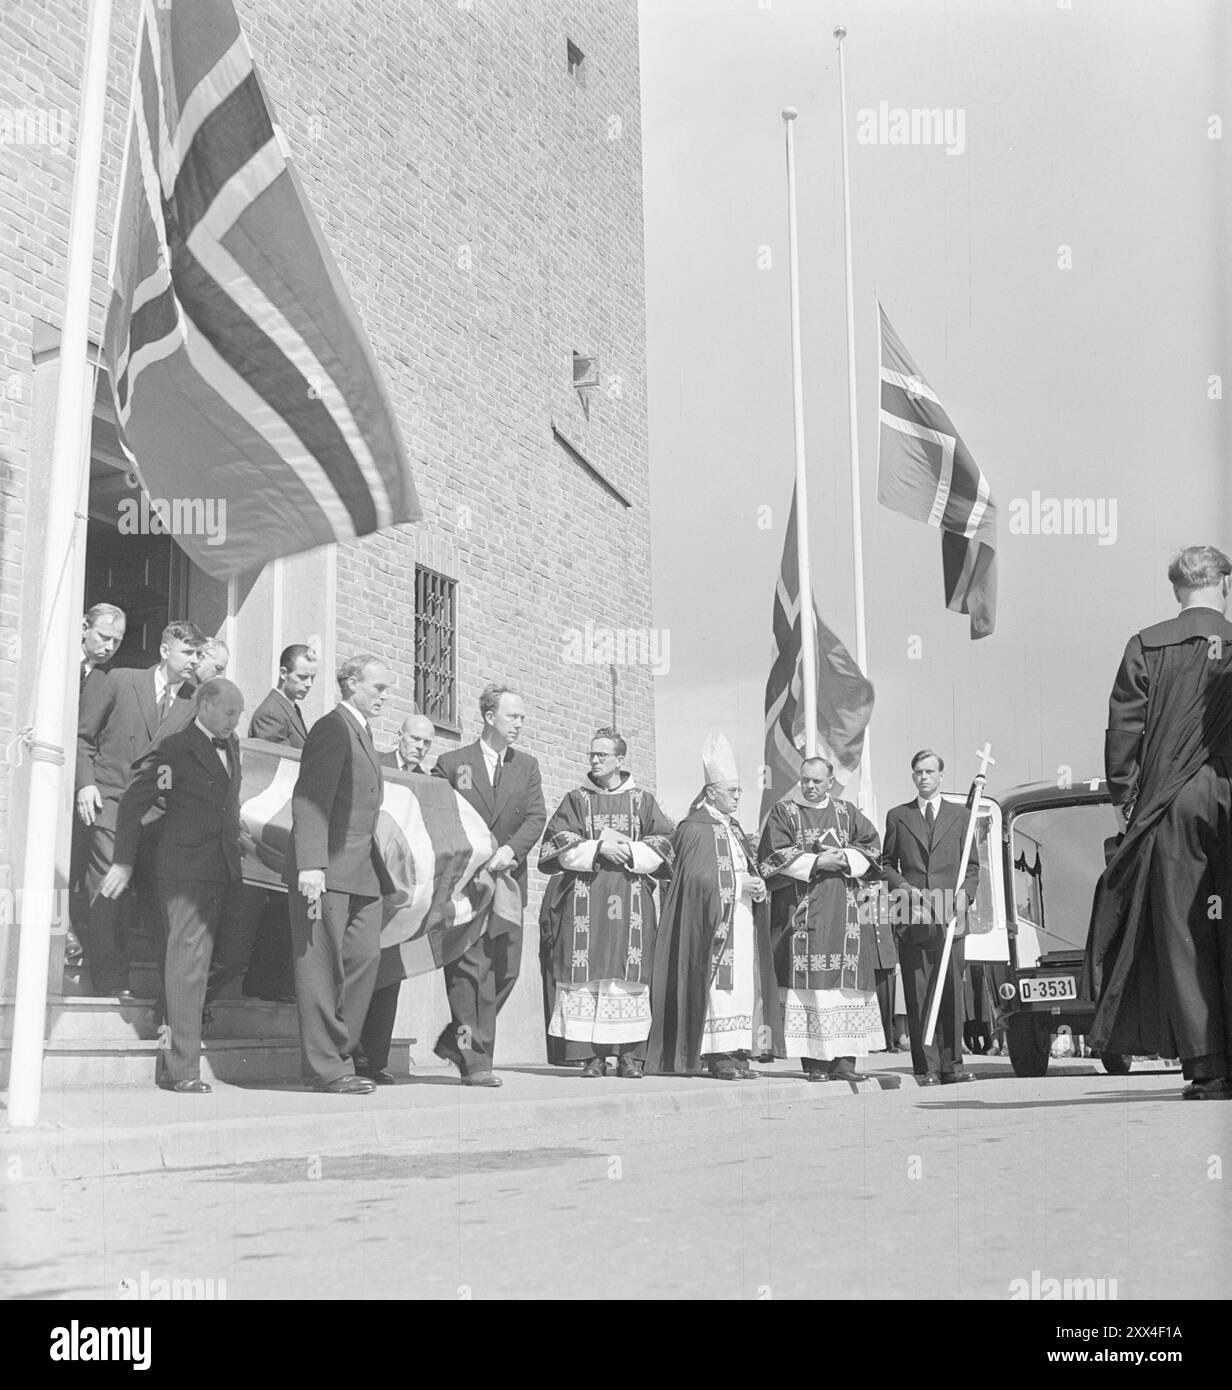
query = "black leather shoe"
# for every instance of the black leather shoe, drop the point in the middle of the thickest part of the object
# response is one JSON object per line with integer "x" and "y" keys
{"x": 597, "y": 1066}
{"x": 952, "y": 1078}
{"x": 193, "y": 1087}
{"x": 928, "y": 1078}
{"x": 482, "y": 1078}
{"x": 631, "y": 1068}
{"x": 744, "y": 1070}
{"x": 1215, "y": 1089}
{"x": 378, "y": 1076}
{"x": 816, "y": 1076}
{"x": 125, "y": 996}
{"x": 346, "y": 1086}
{"x": 446, "y": 1048}
{"x": 841, "y": 1073}
{"x": 724, "y": 1071}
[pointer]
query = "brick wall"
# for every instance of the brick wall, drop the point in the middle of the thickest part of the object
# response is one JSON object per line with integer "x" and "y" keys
{"x": 486, "y": 210}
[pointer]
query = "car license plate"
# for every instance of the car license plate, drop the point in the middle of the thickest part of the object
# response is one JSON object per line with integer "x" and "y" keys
{"x": 1046, "y": 988}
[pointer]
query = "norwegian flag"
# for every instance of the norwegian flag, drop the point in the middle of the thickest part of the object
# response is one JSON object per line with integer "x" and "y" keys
{"x": 434, "y": 845}
{"x": 241, "y": 374}
{"x": 925, "y": 471}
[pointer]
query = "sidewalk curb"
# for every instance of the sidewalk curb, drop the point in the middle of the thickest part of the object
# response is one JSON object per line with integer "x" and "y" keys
{"x": 113, "y": 1152}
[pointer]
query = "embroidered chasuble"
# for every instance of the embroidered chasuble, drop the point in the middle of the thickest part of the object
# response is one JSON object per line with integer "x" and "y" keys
{"x": 825, "y": 961}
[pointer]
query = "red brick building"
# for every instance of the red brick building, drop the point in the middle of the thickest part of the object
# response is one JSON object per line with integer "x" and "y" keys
{"x": 476, "y": 167}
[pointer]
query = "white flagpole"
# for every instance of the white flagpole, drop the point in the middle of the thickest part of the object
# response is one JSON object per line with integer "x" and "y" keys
{"x": 857, "y": 528}
{"x": 808, "y": 635}
{"x": 58, "y": 618}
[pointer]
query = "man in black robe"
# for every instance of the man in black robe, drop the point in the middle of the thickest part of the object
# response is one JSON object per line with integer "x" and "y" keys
{"x": 1158, "y": 962}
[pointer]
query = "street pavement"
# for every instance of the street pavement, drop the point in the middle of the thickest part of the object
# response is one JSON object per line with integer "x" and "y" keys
{"x": 768, "y": 1189}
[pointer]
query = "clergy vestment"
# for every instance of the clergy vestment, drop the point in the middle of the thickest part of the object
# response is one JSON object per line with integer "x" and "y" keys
{"x": 1158, "y": 962}
{"x": 825, "y": 961}
{"x": 712, "y": 988}
{"x": 601, "y": 916}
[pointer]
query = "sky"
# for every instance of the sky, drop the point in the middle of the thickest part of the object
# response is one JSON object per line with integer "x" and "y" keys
{"x": 1061, "y": 279}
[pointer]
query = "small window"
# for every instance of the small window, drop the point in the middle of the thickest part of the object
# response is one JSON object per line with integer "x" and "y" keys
{"x": 577, "y": 62}
{"x": 436, "y": 609}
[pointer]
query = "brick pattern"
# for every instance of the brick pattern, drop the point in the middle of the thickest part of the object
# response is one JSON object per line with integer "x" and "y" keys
{"x": 486, "y": 212}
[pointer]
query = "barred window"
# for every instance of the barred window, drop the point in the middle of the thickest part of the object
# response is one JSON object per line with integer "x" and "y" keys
{"x": 436, "y": 608}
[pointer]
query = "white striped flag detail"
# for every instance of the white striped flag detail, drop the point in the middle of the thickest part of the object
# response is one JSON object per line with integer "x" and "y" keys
{"x": 925, "y": 471}
{"x": 434, "y": 844}
{"x": 844, "y": 694}
{"x": 241, "y": 374}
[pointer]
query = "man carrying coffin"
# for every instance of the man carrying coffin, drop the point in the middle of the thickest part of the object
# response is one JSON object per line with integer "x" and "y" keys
{"x": 813, "y": 850}
{"x": 713, "y": 991}
{"x": 606, "y": 843}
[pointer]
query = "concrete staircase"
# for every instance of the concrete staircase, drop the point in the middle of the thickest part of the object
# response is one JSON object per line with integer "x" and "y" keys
{"x": 100, "y": 1042}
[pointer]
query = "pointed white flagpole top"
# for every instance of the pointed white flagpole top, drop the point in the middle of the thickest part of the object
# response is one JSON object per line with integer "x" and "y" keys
{"x": 790, "y": 113}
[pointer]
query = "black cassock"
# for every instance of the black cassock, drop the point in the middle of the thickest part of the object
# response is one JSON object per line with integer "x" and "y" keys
{"x": 1157, "y": 962}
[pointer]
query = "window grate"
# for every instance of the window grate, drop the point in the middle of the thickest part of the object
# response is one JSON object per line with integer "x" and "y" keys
{"x": 436, "y": 606}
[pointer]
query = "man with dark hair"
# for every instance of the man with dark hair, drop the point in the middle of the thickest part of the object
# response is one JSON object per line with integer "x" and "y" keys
{"x": 196, "y": 773}
{"x": 504, "y": 786}
{"x": 1158, "y": 959}
{"x": 605, "y": 845}
{"x": 814, "y": 850}
{"x": 923, "y": 849}
{"x": 278, "y": 718}
{"x": 120, "y": 717}
{"x": 336, "y": 878}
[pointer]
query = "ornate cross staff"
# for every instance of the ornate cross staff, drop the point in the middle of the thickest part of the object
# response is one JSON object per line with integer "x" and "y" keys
{"x": 973, "y": 801}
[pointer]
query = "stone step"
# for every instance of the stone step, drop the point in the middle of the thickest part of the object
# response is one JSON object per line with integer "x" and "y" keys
{"x": 87, "y": 1018}
{"x": 133, "y": 1062}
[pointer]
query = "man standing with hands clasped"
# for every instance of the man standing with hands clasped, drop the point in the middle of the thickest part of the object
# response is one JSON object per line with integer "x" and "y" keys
{"x": 504, "y": 786}
{"x": 336, "y": 878}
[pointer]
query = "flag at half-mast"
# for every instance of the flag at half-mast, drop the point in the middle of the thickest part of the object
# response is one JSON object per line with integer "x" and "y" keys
{"x": 242, "y": 377}
{"x": 926, "y": 472}
{"x": 844, "y": 694}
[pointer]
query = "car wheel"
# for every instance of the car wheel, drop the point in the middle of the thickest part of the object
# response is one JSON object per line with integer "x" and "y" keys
{"x": 1029, "y": 1037}
{"x": 1115, "y": 1064}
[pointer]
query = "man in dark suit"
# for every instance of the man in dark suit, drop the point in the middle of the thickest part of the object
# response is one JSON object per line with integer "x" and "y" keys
{"x": 278, "y": 718}
{"x": 372, "y": 1059}
{"x": 120, "y": 716}
{"x": 336, "y": 877}
{"x": 102, "y": 632}
{"x": 505, "y": 788}
{"x": 923, "y": 847}
{"x": 265, "y": 945}
{"x": 197, "y": 862}
{"x": 414, "y": 739}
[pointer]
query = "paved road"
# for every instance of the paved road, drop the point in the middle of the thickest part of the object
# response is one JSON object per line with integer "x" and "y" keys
{"x": 919, "y": 1194}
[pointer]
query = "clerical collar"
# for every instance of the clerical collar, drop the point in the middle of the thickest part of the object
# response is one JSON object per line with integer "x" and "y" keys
{"x": 624, "y": 785}
{"x": 797, "y": 795}
{"x": 715, "y": 812}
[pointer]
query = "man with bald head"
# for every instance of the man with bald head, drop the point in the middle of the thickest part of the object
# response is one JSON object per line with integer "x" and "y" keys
{"x": 195, "y": 774}
{"x": 414, "y": 739}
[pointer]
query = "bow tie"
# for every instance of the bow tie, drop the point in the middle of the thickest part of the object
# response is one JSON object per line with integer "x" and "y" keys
{"x": 220, "y": 743}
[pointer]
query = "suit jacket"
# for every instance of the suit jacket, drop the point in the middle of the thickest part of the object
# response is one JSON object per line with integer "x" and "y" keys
{"x": 199, "y": 836}
{"x": 335, "y": 808}
{"x": 909, "y": 862}
{"x": 516, "y": 815}
{"x": 117, "y": 723}
{"x": 278, "y": 720}
{"x": 390, "y": 759}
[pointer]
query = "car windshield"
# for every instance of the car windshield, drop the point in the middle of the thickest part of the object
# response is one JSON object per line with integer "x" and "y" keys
{"x": 1058, "y": 855}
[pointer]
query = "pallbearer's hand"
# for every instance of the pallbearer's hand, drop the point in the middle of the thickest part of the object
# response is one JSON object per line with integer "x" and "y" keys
{"x": 503, "y": 859}
{"x": 312, "y": 883}
{"x": 115, "y": 880}
{"x": 89, "y": 804}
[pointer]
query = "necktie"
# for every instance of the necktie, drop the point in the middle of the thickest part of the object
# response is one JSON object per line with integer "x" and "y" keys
{"x": 496, "y": 771}
{"x": 164, "y": 705}
{"x": 930, "y": 820}
{"x": 224, "y": 746}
